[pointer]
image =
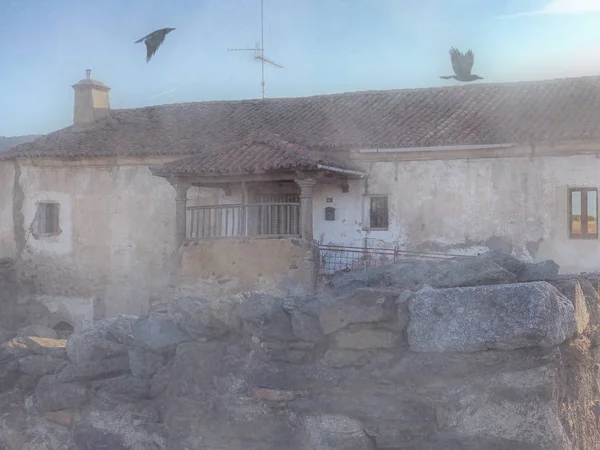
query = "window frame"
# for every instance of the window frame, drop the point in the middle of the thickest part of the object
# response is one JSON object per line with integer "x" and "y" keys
{"x": 369, "y": 211}
{"x": 584, "y": 212}
{"x": 44, "y": 210}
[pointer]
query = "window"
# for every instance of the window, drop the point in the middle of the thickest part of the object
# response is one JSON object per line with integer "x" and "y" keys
{"x": 48, "y": 218}
{"x": 378, "y": 213}
{"x": 583, "y": 213}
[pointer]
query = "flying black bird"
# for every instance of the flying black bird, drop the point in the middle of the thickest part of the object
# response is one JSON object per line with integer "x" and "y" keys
{"x": 462, "y": 63}
{"x": 153, "y": 41}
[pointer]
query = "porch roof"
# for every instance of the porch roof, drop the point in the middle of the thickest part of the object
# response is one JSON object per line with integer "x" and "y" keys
{"x": 255, "y": 155}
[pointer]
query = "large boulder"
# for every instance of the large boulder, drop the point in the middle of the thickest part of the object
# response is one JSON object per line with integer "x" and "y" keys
{"x": 411, "y": 274}
{"x": 545, "y": 270}
{"x": 53, "y": 395}
{"x": 263, "y": 315}
{"x": 480, "y": 318}
{"x": 333, "y": 432}
{"x": 144, "y": 363}
{"x": 505, "y": 260}
{"x": 202, "y": 318}
{"x": 107, "y": 337}
{"x": 467, "y": 271}
{"x": 158, "y": 333}
{"x": 95, "y": 370}
{"x": 40, "y": 365}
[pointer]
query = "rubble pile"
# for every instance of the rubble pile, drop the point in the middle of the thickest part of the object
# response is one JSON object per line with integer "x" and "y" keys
{"x": 466, "y": 353}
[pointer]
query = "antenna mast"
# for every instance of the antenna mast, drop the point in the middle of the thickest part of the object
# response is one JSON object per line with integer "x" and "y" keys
{"x": 260, "y": 55}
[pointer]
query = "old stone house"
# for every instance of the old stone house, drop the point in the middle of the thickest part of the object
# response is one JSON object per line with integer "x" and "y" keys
{"x": 103, "y": 215}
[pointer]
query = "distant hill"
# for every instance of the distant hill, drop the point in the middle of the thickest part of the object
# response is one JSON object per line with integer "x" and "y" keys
{"x": 9, "y": 142}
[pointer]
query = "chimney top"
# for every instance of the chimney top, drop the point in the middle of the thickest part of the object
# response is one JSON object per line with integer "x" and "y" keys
{"x": 91, "y": 100}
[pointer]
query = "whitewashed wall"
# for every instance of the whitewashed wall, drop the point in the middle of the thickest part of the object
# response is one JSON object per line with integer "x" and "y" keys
{"x": 117, "y": 235}
{"x": 462, "y": 206}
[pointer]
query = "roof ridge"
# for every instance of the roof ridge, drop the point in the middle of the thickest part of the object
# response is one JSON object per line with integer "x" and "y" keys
{"x": 477, "y": 85}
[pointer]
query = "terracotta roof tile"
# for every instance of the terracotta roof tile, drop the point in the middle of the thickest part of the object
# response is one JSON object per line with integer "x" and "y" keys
{"x": 524, "y": 112}
{"x": 257, "y": 154}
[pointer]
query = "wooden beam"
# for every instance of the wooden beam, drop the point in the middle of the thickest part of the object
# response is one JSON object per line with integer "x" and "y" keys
{"x": 220, "y": 179}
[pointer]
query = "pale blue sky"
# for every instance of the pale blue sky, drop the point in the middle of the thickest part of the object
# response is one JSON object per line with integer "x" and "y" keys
{"x": 326, "y": 46}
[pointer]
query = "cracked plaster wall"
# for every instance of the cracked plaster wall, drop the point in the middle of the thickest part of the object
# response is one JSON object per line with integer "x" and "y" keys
{"x": 467, "y": 206}
{"x": 116, "y": 242}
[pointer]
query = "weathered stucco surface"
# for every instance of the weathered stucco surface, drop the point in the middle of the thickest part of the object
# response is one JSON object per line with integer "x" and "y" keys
{"x": 468, "y": 205}
{"x": 116, "y": 238}
{"x": 7, "y": 237}
{"x": 229, "y": 266}
{"x": 116, "y": 246}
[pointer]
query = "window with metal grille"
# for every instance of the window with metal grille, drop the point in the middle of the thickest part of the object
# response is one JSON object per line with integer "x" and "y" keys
{"x": 583, "y": 213}
{"x": 48, "y": 218}
{"x": 378, "y": 213}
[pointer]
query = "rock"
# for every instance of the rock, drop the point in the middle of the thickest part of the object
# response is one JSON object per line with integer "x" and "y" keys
{"x": 23, "y": 346}
{"x": 346, "y": 358}
{"x": 64, "y": 418}
{"x": 40, "y": 365}
{"x": 105, "y": 338}
{"x": 481, "y": 318}
{"x": 459, "y": 272}
{"x": 52, "y": 395}
{"x": 263, "y": 315}
{"x": 37, "y": 331}
{"x": 273, "y": 395}
{"x": 572, "y": 289}
{"x": 95, "y": 370}
{"x": 194, "y": 368}
{"x": 306, "y": 327}
{"x": 158, "y": 333}
{"x": 409, "y": 274}
{"x": 241, "y": 424}
{"x": 365, "y": 339}
{"x": 6, "y": 336}
{"x": 504, "y": 260}
{"x": 200, "y": 317}
{"x": 545, "y": 270}
{"x": 363, "y": 306}
{"x": 333, "y": 432}
{"x": 27, "y": 382}
{"x": 346, "y": 283}
{"x": 143, "y": 363}
{"x": 125, "y": 387}
{"x": 89, "y": 438}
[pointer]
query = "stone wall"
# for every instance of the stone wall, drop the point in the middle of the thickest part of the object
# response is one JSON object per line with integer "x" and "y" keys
{"x": 8, "y": 292}
{"x": 223, "y": 267}
{"x": 473, "y": 353}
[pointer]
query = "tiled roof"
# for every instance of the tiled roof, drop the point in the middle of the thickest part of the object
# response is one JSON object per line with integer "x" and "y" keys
{"x": 6, "y": 143}
{"x": 257, "y": 154}
{"x": 523, "y": 112}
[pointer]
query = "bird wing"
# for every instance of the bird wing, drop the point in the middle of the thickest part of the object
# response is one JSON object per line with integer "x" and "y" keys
{"x": 140, "y": 40}
{"x": 468, "y": 60}
{"x": 153, "y": 42}
{"x": 458, "y": 64}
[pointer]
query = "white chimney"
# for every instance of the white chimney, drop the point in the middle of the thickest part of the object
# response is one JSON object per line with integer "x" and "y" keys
{"x": 91, "y": 100}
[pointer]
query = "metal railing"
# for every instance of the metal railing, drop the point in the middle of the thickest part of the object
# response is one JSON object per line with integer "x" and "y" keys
{"x": 238, "y": 220}
{"x": 335, "y": 258}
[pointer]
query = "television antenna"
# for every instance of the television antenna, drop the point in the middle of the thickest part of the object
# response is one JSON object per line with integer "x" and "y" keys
{"x": 259, "y": 50}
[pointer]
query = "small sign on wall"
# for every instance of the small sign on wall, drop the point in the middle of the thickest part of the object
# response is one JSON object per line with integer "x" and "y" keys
{"x": 329, "y": 200}
{"x": 329, "y": 213}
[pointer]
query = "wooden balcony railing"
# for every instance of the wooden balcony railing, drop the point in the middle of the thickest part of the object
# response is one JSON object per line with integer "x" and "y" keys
{"x": 252, "y": 220}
